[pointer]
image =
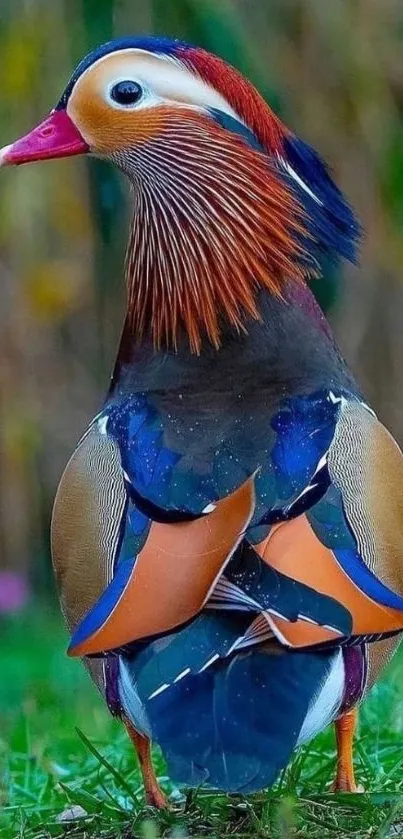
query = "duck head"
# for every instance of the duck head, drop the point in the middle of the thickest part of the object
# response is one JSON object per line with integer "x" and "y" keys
{"x": 227, "y": 201}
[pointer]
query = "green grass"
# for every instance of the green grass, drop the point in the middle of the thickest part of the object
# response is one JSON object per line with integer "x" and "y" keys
{"x": 46, "y": 766}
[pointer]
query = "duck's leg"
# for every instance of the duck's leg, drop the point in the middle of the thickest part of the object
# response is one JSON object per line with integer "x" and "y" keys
{"x": 345, "y": 728}
{"x": 153, "y": 792}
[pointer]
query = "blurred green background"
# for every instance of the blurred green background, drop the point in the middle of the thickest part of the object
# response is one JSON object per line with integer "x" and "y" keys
{"x": 334, "y": 70}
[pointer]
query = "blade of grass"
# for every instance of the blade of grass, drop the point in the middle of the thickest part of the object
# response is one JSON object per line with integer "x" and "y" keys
{"x": 108, "y": 766}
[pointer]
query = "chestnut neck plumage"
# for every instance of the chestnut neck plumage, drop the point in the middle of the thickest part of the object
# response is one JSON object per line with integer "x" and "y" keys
{"x": 213, "y": 223}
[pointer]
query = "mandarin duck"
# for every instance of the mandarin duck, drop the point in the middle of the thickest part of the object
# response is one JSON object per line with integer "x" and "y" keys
{"x": 227, "y": 534}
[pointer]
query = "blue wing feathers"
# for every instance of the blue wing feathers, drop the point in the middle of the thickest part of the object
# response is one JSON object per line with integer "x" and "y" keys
{"x": 305, "y": 428}
{"x": 97, "y": 616}
{"x": 283, "y": 595}
{"x": 328, "y": 520}
{"x": 355, "y": 568}
{"x": 303, "y": 431}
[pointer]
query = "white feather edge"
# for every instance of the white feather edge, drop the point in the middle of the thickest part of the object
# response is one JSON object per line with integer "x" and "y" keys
{"x": 326, "y": 704}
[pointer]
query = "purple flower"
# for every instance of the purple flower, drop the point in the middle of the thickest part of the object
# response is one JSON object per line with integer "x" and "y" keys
{"x": 14, "y": 592}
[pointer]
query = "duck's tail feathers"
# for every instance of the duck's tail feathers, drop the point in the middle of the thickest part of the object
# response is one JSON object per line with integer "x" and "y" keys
{"x": 234, "y": 725}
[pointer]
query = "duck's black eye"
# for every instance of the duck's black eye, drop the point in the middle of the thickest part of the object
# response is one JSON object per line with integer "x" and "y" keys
{"x": 126, "y": 93}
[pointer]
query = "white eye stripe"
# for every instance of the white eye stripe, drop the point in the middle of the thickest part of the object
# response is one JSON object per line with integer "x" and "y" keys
{"x": 164, "y": 79}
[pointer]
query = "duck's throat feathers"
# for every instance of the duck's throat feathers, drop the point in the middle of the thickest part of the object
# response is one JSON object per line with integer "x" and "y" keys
{"x": 214, "y": 221}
